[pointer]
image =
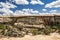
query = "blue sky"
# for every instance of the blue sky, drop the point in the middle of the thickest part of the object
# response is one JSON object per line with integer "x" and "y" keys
{"x": 33, "y": 6}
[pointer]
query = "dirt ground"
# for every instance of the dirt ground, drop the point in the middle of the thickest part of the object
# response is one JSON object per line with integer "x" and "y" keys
{"x": 37, "y": 37}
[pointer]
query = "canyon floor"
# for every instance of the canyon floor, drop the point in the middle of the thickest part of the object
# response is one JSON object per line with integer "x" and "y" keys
{"x": 37, "y": 37}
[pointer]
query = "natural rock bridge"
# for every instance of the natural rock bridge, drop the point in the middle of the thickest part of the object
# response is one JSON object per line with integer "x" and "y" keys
{"x": 31, "y": 20}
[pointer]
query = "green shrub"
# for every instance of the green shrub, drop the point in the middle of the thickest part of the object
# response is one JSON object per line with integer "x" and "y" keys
{"x": 58, "y": 28}
{"x": 34, "y": 31}
{"x": 47, "y": 30}
{"x": 2, "y": 26}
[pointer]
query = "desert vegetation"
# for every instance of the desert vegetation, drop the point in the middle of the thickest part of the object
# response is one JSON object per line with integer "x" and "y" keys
{"x": 28, "y": 26}
{"x": 14, "y": 31}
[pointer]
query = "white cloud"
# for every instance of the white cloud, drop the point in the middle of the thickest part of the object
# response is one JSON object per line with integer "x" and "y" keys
{"x": 18, "y": 12}
{"x": 6, "y": 11}
{"x": 20, "y": 1}
{"x": 25, "y": 11}
{"x": 27, "y": 2}
{"x": 5, "y": 8}
{"x": 36, "y": 2}
{"x": 44, "y": 13}
{"x": 7, "y": 5}
{"x": 44, "y": 9}
{"x": 54, "y": 4}
{"x": 30, "y": 11}
{"x": 53, "y": 11}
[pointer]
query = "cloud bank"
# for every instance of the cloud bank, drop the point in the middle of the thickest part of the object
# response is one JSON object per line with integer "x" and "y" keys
{"x": 54, "y": 4}
{"x": 5, "y": 7}
{"x": 36, "y": 2}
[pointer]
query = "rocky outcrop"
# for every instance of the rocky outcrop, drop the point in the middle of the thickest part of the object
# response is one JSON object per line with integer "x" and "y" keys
{"x": 28, "y": 25}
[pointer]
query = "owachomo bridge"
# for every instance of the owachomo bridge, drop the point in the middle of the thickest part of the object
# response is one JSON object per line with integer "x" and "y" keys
{"x": 31, "y": 20}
